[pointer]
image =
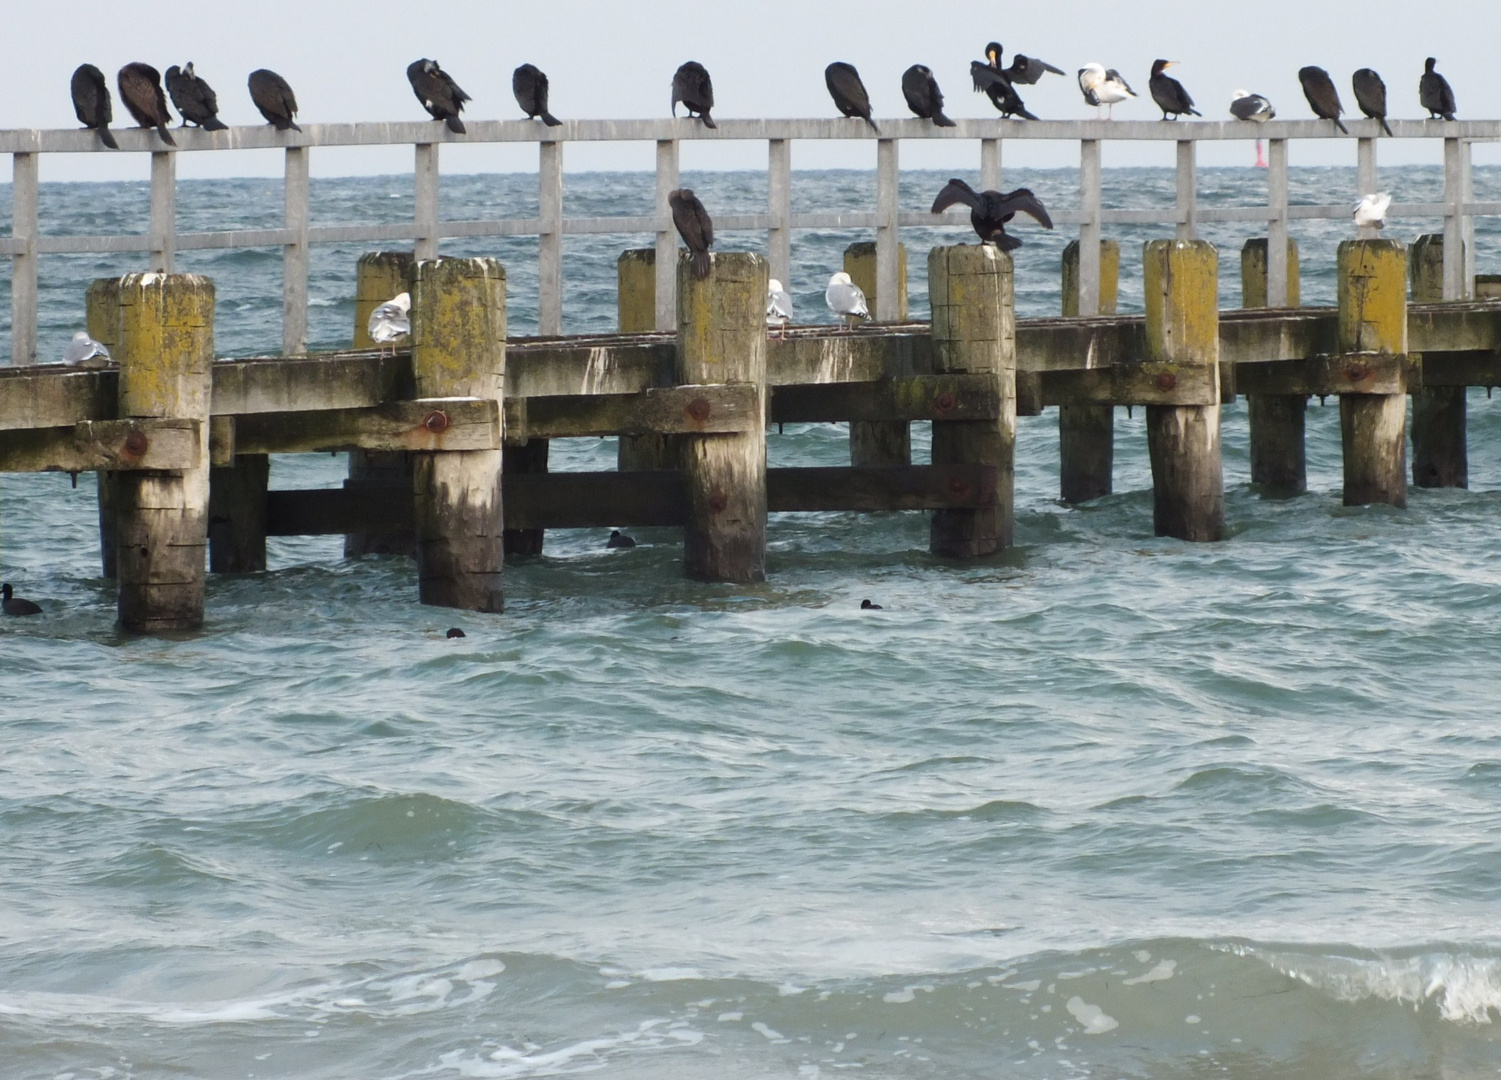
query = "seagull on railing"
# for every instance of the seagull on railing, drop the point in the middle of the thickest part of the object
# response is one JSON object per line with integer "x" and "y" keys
{"x": 1370, "y": 95}
{"x": 390, "y": 321}
{"x": 529, "y": 84}
{"x": 1103, "y": 86}
{"x": 440, "y": 95}
{"x": 989, "y": 211}
{"x": 82, "y": 349}
{"x": 778, "y": 306}
{"x": 846, "y": 300}
{"x": 1370, "y": 211}
{"x": 1258, "y": 110}
{"x": 91, "y": 102}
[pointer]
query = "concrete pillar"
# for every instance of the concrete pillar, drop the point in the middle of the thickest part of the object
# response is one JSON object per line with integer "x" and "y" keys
{"x": 636, "y": 303}
{"x": 1183, "y": 321}
{"x": 103, "y": 324}
{"x": 876, "y": 442}
{"x": 722, "y": 339}
{"x": 1086, "y": 433}
{"x": 1373, "y": 318}
{"x": 1440, "y": 456}
{"x": 970, "y": 288}
{"x": 459, "y": 350}
{"x": 1279, "y": 463}
{"x": 166, "y": 354}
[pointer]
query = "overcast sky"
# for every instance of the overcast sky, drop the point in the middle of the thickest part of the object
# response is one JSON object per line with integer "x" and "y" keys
{"x": 615, "y": 59}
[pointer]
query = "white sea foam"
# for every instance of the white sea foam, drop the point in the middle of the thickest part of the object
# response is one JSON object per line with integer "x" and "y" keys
{"x": 1164, "y": 970}
{"x": 1465, "y": 989}
{"x": 1092, "y": 1017}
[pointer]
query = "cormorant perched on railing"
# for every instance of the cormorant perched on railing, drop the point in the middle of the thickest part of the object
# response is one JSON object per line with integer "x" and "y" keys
{"x": 1370, "y": 95}
{"x": 274, "y": 98}
{"x": 1102, "y": 86}
{"x": 91, "y": 102}
{"x": 989, "y": 211}
{"x": 1434, "y": 92}
{"x": 691, "y": 85}
{"x": 439, "y": 94}
{"x": 1323, "y": 99}
{"x": 141, "y": 92}
{"x": 990, "y": 80}
{"x": 1168, "y": 92}
{"x": 529, "y": 85}
{"x": 923, "y": 96}
{"x": 848, "y": 92}
{"x": 695, "y": 227}
{"x": 194, "y": 98}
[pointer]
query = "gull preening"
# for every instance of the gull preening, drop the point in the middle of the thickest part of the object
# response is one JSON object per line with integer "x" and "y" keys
{"x": 1245, "y": 105}
{"x": 778, "y": 306}
{"x": 1103, "y": 86}
{"x": 83, "y": 349}
{"x": 1370, "y": 211}
{"x": 390, "y": 321}
{"x": 846, "y": 300}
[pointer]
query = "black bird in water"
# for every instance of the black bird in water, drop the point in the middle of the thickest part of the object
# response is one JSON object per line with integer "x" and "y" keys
{"x": 455, "y": 632}
{"x": 1168, "y": 92}
{"x": 691, "y": 85}
{"x": 439, "y": 94}
{"x": 923, "y": 96}
{"x": 989, "y": 211}
{"x": 1370, "y": 95}
{"x": 619, "y": 539}
{"x": 14, "y": 605}
{"x": 141, "y": 91}
{"x": 91, "y": 102}
{"x": 991, "y": 81}
{"x": 529, "y": 85}
{"x": 848, "y": 91}
{"x": 868, "y": 605}
{"x": 694, "y": 226}
{"x": 1434, "y": 92}
{"x": 1323, "y": 99}
{"x": 274, "y": 98}
{"x": 194, "y": 98}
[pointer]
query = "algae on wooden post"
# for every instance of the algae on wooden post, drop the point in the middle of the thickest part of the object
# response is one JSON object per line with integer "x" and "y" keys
{"x": 1373, "y": 319}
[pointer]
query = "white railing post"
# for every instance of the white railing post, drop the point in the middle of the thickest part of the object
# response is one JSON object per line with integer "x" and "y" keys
{"x": 667, "y": 237}
{"x": 1276, "y": 233}
{"x": 163, "y": 211}
{"x": 425, "y": 201}
{"x": 1467, "y": 194}
{"x": 294, "y": 255}
{"x": 1365, "y": 179}
{"x": 1188, "y": 191}
{"x": 1454, "y": 260}
{"x": 990, "y": 164}
{"x": 25, "y": 176}
{"x": 1089, "y": 232}
{"x": 550, "y": 240}
{"x": 888, "y": 266}
{"x": 779, "y": 209}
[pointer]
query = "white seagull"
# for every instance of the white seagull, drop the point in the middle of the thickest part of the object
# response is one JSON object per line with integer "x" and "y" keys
{"x": 778, "y": 306}
{"x": 390, "y": 321}
{"x": 845, "y": 299}
{"x": 1103, "y": 86}
{"x": 1370, "y": 211}
{"x": 83, "y": 349}
{"x": 1255, "y": 108}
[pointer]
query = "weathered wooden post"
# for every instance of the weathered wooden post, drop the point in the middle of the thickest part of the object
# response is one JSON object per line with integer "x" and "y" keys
{"x": 166, "y": 354}
{"x": 459, "y": 350}
{"x": 237, "y": 514}
{"x": 1440, "y": 456}
{"x": 102, "y": 316}
{"x": 879, "y": 442}
{"x": 1086, "y": 433}
{"x": 1373, "y": 319}
{"x": 1183, "y": 328}
{"x": 636, "y": 304}
{"x": 722, "y": 339}
{"x": 1279, "y": 464}
{"x": 970, "y": 287}
{"x": 379, "y": 276}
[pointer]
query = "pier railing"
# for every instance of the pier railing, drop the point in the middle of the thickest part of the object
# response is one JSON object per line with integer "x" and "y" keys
{"x": 162, "y": 241}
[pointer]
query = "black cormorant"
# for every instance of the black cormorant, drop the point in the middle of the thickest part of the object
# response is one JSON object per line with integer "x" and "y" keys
{"x": 1323, "y": 99}
{"x": 14, "y": 605}
{"x": 1025, "y": 70}
{"x": 141, "y": 92}
{"x": 1168, "y": 92}
{"x": 848, "y": 91}
{"x": 1370, "y": 95}
{"x": 691, "y": 85}
{"x": 1434, "y": 92}
{"x": 619, "y": 539}
{"x": 870, "y": 605}
{"x": 694, "y": 226}
{"x": 990, "y": 80}
{"x": 923, "y": 96}
{"x": 274, "y": 98}
{"x": 989, "y": 211}
{"x": 91, "y": 102}
{"x": 529, "y": 85}
{"x": 440, "y": 95}
{"x": 194, "y": 98}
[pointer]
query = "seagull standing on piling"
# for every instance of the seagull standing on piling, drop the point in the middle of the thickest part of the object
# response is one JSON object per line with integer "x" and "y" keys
{"x": 1322, "y": 97}
{"x": 1370, "y": 95}
{"x": 849, "y": 93}
{"x": 846, "y": 300}
{"x": 1434, "y": 92}
{"x": 1103, "y": 86}
{"x": 991, "y": 81}
{"x": 778, "y": 306}
{"x": 529, "y": 85}
{"x": 194, "y": 98}
{"x": 83, "y": 349}
{"x": 692, "y": 86}
{"x": 439, "y": 94}
{"x": 1370, "y": 211}
{"x": 1168, "y": 92}
{"x": 695, "y": 227}
{"x": 390, "y": 322}
{"x": 91, "y": 102}
{"x": 141, "y": 91}
{"x": 274, "y": 98}
{"x": 923, "y": 96}
{"x": 1256, "y": 109}
{"x": 989, "y": 211}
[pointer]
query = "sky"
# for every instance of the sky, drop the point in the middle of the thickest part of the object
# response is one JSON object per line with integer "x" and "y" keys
{"x": 615, "y": 59}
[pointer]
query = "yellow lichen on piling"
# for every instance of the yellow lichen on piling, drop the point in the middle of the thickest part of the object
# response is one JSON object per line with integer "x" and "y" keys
{"x": 636, "y": 297}
{"x": 166, "y": 344}
{"x": 860, "y": 265}
{"x": 1110, "y": 278}
{"x": 1253, "y": 274}
{"x": 1182, "y": 301}
{"x": 458, "y": 305}
{"x": 1373, "y": 296}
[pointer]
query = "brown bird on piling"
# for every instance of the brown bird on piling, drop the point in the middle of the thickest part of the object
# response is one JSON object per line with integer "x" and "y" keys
{"x": 694, "y": 226}
{"x": 529, "y": 85}
{"x": 692, "y": 86}
{"x": 1370, "y": 95}
{"x": 1434, "y": 92}
{"x": 1168, "y": 92}
{"x": 440, "y": 95}
{"x": 194, "y": 98}
{"x": 91, "y": 102}
{"x": 848, "y": 92}
{"x": 923, "y": 96}
{"x": 1322, "y": 97}
{"x": 274, "y": 98}
{"x": 141, "y": 91}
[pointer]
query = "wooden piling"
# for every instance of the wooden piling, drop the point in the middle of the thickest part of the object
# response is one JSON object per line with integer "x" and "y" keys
{"x": 166, "y": 353}
{"x": 1086, "y": 433}
{"x": 379, "y": 276}
{"x": 102, "y": 317}
{"x": 970, "y": 287}
{"x": 1182, "y": 323}
{"x": 1279, "y": 463}
{"x": 1440, "y": 456}
{"x": 636, "y": 304}
{"x": 1373, "y": 319}
{"x": 722, "y": 339}
{"x": 459, "y": 350}
{"x": 875, "y": 442}
{"x": 237, "y": 515}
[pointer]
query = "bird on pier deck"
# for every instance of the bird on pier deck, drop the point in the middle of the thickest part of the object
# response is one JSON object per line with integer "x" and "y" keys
{"x": 1370, "y": 95}
{"x": 1255, "y": 109}
{"x": 923, "y": 96}
{"x": 849, "y": 93}
{"x": 195, "y": 99}
{"x": 84, "y": 351}
{"x": 989, "y": 211}
{"x": 695, "y": 227}
{"x": 846, "y": 300}
{"x": 141, "y": 91}
{"x": 440, "y": 95}
{"x": 391, "y": 322}
{"x": 1103, "y": 86}
{"x": 991, "y": 81}
{"x": 274, "y": 98}
{"x": 12, "y": 604}
{"x": 92, "y": 104}
{"x": 529, "y": 85}
{"x": 1434, "y": 92}
{"x": 692, "y": 86}
{"x": 1370, "y": 211}
{"x": 1323, "y": 99}
{"x": 1168, "y": 92}
{"x": 778, "y": 306}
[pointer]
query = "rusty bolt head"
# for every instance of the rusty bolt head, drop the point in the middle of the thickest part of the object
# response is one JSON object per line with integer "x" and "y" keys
{"x": 1166, "y": 381}
{"x": 1357, "y": 372}
{"x": 944, "y": 402}
{"x": 699, "y": 408}
{"x": 436, "y": 421}
{"x": 718, "y": 501}
{"x": 136, "y": 443}
{"x": 957, "y": 486}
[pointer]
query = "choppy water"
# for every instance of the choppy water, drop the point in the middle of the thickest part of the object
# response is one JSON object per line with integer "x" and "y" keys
{"x": 1104, "y": 806}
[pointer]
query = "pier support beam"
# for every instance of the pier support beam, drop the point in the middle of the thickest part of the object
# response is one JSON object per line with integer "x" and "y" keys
{"x": 722, "y": 339}
{"x": 1279, "y": 464}
{"x": 974, "y": 332}
{"x": 237, "y": 515}
{"x": 1086, "y": 433}
{"x": 874, "y": 442}
{"x": 1182, "y": 307}
{"x": 1373, "y": 318}
{"x": 102, "y": 317}
{"x": 636, "y": 304}
{"x": 166, "y": 353}
{"x": 1440, "y": 456}
{"x": 459, "y": 350}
